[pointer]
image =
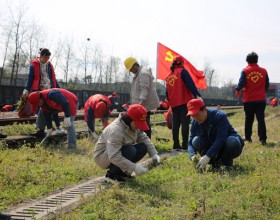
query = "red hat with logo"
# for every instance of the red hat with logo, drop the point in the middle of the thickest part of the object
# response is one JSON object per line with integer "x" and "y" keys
{"x": 33, "y": 99}
{"x": 194, "y": 106}
{"x": 100, "y": 109}
{"x": 138, "y": 114}
{"x": 178, "y": 59}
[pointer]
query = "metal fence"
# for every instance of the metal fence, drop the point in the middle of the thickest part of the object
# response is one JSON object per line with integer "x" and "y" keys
{"x": 11, "y": 94}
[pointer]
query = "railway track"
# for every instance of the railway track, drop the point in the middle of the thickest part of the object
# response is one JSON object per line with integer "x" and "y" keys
{"x": 13, "y": 117}
{"x": 16, "y": 141}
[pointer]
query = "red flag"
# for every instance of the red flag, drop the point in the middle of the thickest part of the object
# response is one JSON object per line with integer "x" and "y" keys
{"x": 164, "y": 60}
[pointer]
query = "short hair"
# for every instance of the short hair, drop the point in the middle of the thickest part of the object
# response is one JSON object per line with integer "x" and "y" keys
{"x": 252, "y": 57}
{"x": 44, "y": 52}
{"x": 127, "y": 120}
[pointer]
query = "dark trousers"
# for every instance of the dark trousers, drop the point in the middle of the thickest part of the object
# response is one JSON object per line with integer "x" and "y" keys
{"x": 231, "y": 149}
{"x": 134, "y": 153}
{"x": 148, "y": 120}
{"x": 252, "y": 109}
{"x": 179, "y": 116}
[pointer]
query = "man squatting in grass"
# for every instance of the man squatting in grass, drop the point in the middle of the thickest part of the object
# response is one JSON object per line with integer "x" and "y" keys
{"x": 212, "y": 136}
{"x": 123, "y": 143}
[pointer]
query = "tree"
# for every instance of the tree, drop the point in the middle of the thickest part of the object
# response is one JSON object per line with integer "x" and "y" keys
{"x": 18, "y": 35}
{"x": 84, "y": 58}
{"x": 68, "y": 56}
{"x": 6, "y": 45}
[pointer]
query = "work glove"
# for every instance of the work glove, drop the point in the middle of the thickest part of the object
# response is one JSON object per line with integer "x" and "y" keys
{"x": 202, "y": 162}
{"x": 49, "y": 132}
{"x": 195, "y": 159}
{"x": 237, "y": 94}
{"x": 25, "y": 93}
{"x": 67, "y": 122}
{"x": 139, "y": 170}
{"x": 94, "y": 138}
{"x": 156, "y": 159}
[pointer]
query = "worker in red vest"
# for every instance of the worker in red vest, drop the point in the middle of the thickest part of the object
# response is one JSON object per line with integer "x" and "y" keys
{"x": 255, "y": 82}
{"x": 113, "y": 100}
{"x": 42, "y": 76}
{"x": 180, "y": 89}
{"x": 53, "y": 101}
{"x": 8, "y": 108}
{"x": 273, "y": 102}
{"x": 97, "y": 106}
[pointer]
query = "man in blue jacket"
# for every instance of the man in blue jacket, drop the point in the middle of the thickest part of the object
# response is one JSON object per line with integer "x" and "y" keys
{"x": 212, "y": 136}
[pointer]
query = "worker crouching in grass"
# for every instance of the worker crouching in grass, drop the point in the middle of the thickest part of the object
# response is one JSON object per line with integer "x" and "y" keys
{"x": 97, "y": 106}
{"x": 53, "y": 101}
{"x": 123, "y": 143}
{"x": 212, "y": 136}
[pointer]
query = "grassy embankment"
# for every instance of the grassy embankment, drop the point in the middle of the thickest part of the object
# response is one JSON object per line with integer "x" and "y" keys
{"x": 173, "y": 190}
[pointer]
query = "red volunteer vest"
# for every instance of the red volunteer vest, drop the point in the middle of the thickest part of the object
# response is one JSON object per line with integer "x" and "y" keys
{"x": 178, "y": 93}
{"x": 37, "y": 75}
{"x": 254, "y": 89}
{"x": 72, "y": 99}
{"x": 92, "y": 101}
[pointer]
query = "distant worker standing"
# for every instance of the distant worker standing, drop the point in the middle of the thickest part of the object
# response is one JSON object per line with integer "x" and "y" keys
{"x": 273, "y": 102}
{"x": 180, "y": 89}
{"x": 254, "y": 79}
{"x": 53, "y": 101}
{"x": 113, "y": 100}
{"x": 143, "y": 91}
{"x": 97, "y": 106}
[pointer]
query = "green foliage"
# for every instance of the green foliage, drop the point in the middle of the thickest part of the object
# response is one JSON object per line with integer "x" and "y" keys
{"x": 27, "y": 173}
{"x": 172, "y": 190}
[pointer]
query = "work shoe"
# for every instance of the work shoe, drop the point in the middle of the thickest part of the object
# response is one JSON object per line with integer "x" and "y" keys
{"x": 114, "y": 177}
{"x": 126, "y": 176}
{"x": 5, "y": 216}
{"x": 247, "y": 139}
{"x": 59, "y": 130}
{"x": 39, "y": 133}
{"x": 3, "y": 135}
{"x": 177, "y": 147}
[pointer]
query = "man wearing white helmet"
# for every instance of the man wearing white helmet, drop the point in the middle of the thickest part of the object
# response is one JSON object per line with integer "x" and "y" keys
{"x": 143, "y": 90}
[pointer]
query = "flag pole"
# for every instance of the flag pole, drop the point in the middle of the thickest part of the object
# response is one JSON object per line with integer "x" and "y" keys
{"x": 157, "y": 66}
{"x": 156, "y": 78}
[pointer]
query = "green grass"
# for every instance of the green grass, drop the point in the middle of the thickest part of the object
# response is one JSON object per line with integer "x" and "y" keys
{"x": 173, "y": 190}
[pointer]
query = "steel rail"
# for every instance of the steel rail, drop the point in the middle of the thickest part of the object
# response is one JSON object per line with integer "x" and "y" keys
{"x": 79, "y": 116}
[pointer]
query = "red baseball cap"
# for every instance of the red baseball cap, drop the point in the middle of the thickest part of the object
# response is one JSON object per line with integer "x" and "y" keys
{"x": 33, "y": 99}
{"x": 138, "y": 114}
{"x": 100, "y": 109}
{"x": 178, "y": 59}
{"x": 194, "y": 106}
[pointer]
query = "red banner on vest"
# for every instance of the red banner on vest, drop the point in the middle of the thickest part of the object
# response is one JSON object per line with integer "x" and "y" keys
{"x": 164, "y": 60}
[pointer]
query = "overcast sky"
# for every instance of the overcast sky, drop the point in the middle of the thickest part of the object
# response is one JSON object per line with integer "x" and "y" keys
{"x": 220, "y": 32}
